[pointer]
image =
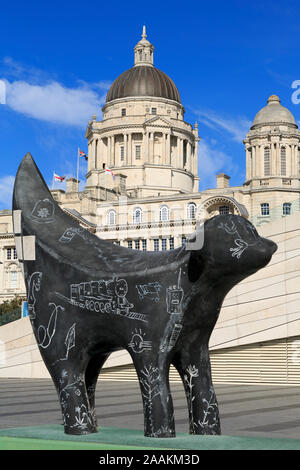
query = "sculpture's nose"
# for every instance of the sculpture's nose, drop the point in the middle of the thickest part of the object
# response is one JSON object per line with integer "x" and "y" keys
{"x": 272, "y": 245}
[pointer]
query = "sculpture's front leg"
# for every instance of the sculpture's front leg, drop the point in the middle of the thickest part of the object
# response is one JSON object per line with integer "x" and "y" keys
{"x": 193, "y": 365}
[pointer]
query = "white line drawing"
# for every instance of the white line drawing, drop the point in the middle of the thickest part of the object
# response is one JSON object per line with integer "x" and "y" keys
{"x": 192, "y": 372}
{"x": 70, "y": 233}
{"x": 69, "y": 343}
{"x": 149, "y": 291}
{"x": 83, "y": 418}
{"x": 103, "y": 296}
{"x": 45, "y": 335}
{"x": 174, "y": 297}
{"x": 241, "y": 245}
{"x": 150, "y": 389}
{"x": 138, "y": 344}
{"x": 34, "y": 285}
{"x": 210, "y": 408}
{"x": 43, "y": 211}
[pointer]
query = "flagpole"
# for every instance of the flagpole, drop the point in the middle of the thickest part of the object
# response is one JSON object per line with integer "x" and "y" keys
{"x": 53, "y": 180}
{"x": 78, "y": 164}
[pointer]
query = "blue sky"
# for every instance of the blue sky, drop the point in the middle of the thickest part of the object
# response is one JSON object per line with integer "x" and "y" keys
{"x": 59, "y": 58}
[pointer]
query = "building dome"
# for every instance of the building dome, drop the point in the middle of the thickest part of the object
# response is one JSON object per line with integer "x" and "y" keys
{"x": 274, "y": 113}
{"x": 143, "y": 79}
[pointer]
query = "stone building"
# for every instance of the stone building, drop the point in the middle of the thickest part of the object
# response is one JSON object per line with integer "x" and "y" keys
{"x": 142, "y": 178}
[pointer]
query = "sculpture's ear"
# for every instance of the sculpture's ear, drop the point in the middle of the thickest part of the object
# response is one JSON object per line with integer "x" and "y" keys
{"x": 196, "y": 265}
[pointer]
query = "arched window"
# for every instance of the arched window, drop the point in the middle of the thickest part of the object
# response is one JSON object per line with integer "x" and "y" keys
{"x": 191, "y": 210}
{"x": 267, "y": 161}
{"x": 164, "y": 214}
{"x": 265, "y": 208}
{"x": 283, "y": 160}
{"x": 111, "y": 217}
{"x": 286, "y": 208}
{"x": 137, "y": 215}
{"x": 223, "y": 210}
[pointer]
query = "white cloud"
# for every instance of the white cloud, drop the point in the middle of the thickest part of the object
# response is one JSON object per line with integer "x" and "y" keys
{"x": 53, "y": 102}
{"x": 212, "y": 161}
{"x": 236, "y": 127}
{"x": 6, "y": 190}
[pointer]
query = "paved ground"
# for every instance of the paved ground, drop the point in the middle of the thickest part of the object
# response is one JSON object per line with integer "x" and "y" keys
{"x": 268, "y": 411}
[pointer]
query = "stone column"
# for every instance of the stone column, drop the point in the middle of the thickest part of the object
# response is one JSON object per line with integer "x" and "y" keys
{"x": 168, "y": 152}
{"x": 163, "y": 149}
{"x": 112, "y": 151}
{"x": 195, "y": 159}
{"x": 188, "y": 155}
{"x": 254, "y": 171}
{"x": 108, "y": 151}
{"x": 181, "y": 154}
{"x": 291, "y": 157}
{"x": 277, "y": 169}
{"x": 130, "y": 156}
{"x": 151, "y": 147}
{"x": 146, "y": 147}
{"x": 125, "y": 149}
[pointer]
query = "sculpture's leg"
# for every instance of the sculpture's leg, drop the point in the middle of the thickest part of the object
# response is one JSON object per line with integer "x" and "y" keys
{"x": 69, "y": 380}
{"x": 153, "y": 375}
{"x": 193, "y": 365}
{"x": 91, "y": 376}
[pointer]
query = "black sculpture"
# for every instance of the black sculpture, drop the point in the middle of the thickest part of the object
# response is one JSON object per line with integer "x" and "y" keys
{"x": 88, "y": 297}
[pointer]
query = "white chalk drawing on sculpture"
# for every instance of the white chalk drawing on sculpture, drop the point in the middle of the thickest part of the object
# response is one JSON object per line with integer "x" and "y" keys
{"x": 69, "y": 343}
{"x": 149, "y": 291}
{"x": 70, "y": 233}
{"x": 34, "y": 285}
{"x": 241, "y": 245}
{"x": 149, "y": 379}
{"x": 209, "y": 423}
{"x": 103, "y": 296}
{"x": 191, "y": 373}
{"x": 174, "y": 297}
{"x": 138, "y": 343}
{"x": 83, "y": 417}
{"x": 43, "y": 211}
{"x": 45, "y": 334}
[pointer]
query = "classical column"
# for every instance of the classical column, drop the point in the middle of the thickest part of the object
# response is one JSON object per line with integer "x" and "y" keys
{"x": 151, "y": 147}
{"x": 163, "y": 149}
{"x": 146, "y": 147}
{"x": 180, "y": 153}
{"x": 188, "y": 156}
{"x": 130, "y": 156}
{"x": 108, "y": 151}
{"x": 277, "y": 169}
{"x": 254, "y": 169}
{"x": 195, "y": 160}
{"x": 125, "y": 162}
{"x": 168, "y": 152}
{"x": 292, "y": 158}
{"x": 112, "y": 151}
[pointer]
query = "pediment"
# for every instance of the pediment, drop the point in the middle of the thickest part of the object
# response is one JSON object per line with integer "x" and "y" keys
{"x": 157, "y": 121}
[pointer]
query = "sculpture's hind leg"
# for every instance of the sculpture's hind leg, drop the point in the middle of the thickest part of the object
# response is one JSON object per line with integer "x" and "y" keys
{"x": 69, "y": 380}
{"x": 153, "y": 375}
{"x": 193, "y": 365}
{"x": 91, "y": 376}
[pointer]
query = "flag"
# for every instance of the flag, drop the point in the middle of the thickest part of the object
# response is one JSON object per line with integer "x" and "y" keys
{"x": 58, "y": 178}
{"x": 109, "y": 172}
{"x": 82, "y": 154}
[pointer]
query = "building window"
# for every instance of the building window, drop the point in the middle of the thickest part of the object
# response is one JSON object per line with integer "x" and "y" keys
{"x": 283, "y": 161}
{"x": 164, "y": 214}
{"x": 123, "y": 112}
{"x": 153, "y": 110}
{"x": 11, "y": 253}
{"x": 14, "y": 279}
{"x": 265, "y": 209}
{"x": 137, "y": 216}
{"x": 223, "y": 210}
{"x": 171, "y": 243}
{"x": 267, "y": 162}
{"x": 286, "y": 208}
{"x": 111, "y": 218}
{"x": 137, "y": 244}
{"x": 137, "y": 152}
{"x": 129, "y": 244}
{"x": 156, "y": 244}
{"x": 141, "y": 55}
{"x": 122, "y": 153}
{"x": 191, "y": 210}
{"x": 183, "y": 241}
{"x": 164, "y": 244}
{"x": 144, "y": 245}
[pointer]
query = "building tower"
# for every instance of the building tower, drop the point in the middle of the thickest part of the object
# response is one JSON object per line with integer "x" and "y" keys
{"x": 143, "y": 137}
{"x": 273, "y": 148}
